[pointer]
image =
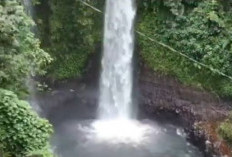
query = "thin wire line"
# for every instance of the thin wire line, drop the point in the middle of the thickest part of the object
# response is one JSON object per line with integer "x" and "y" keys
{"x": 167, "y": 47}
{"x": 94, "y": 8}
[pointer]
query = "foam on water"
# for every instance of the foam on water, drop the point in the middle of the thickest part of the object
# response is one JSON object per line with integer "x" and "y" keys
{"x": 122, "y": 138}
{"x": 122, "y": 131}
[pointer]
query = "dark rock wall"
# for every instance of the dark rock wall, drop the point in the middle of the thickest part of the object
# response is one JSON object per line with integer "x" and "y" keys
{"x": 160, "y": 92}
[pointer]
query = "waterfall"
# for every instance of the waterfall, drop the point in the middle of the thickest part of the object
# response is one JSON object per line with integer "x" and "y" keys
{"x": 115, "y": 123}
{"x": 30, "y": 83}
{"x": 116, "y": 77}
{"x": 28, "y": 7}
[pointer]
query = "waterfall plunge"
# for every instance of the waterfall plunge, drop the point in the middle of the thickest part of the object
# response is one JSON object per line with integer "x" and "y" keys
{"x": 115, "y": 122}
{"x": 116, "y": 78}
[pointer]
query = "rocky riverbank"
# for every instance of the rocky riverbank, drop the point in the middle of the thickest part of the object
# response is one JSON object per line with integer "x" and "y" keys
{"x": 201, "y": 111}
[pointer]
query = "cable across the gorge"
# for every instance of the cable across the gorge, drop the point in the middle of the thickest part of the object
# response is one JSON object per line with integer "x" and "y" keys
{"x": 167, "y": 46}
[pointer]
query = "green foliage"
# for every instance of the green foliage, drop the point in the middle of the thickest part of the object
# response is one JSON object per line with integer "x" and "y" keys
{"x": 175, "y": 6}
{"x": 20, "y": 53}
{"x": 201, "y": 30}
{"x": 22, "y": 131}
{"x": 225, "y": 129}
{"x": 41, "y": 153}
{"x": 70, "y": 66}
{"x": 74, "y": 31}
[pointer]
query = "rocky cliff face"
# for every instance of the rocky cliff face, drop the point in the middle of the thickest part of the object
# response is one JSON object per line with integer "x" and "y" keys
{"x": 164, "y": 92}
{"x": 201, "y": 111}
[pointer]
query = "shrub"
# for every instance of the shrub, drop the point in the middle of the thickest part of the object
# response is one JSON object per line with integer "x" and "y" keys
{"x": 22, "y": 131}
{"x": 225, "y": 130}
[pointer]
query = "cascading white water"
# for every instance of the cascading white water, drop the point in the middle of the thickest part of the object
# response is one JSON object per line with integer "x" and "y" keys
{"x": 115, "y": 123}
{"x": 116, "y": 76}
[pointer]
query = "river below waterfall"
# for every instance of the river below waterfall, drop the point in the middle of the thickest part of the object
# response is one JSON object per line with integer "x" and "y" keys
{"x": 72, "y": 112}
{"x": 75, "y": 138}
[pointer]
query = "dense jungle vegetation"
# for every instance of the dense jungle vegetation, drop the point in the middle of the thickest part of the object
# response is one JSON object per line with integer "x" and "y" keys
{"x": 199, "y": 29}
{"x": 22, "y": 131}
{"x": 70, "y": 36}
{"x": 69, "y": 32}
